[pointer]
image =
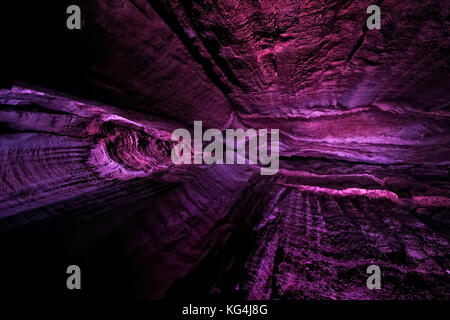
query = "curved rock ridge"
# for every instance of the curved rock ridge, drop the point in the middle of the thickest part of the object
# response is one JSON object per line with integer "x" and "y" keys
{"x": 86, "y": 176}
{"x": 55, "y": 148}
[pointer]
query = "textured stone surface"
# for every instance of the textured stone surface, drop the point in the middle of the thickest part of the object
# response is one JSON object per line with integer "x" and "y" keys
{"x": 86, "y": 176}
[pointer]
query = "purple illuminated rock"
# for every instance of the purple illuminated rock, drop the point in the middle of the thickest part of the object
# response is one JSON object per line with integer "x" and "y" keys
{"x": 87, "y": 179}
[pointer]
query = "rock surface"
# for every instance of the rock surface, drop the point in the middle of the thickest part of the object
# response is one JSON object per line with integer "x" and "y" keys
{"x": 87, "y": 179}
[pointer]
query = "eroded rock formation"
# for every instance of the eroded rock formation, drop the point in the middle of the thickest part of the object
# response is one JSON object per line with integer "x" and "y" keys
{"x": 86, "y": 175}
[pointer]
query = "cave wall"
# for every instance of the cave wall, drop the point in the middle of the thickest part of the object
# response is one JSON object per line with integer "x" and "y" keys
{"x": 86, "y": 177}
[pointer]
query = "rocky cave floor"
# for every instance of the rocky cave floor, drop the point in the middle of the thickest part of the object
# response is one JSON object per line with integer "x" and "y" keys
{"x": 86, "y": 176}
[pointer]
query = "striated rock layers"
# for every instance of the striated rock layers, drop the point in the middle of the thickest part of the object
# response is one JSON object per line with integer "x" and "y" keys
{"x": 86, "y": 176}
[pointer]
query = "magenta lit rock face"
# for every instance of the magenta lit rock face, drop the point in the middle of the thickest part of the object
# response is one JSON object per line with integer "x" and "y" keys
{"x": 87, "y": 179}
